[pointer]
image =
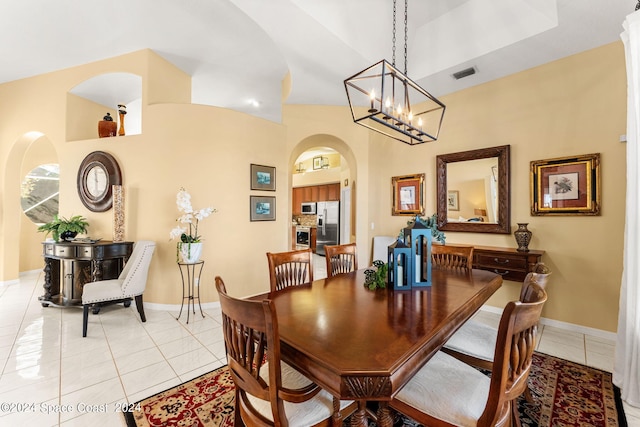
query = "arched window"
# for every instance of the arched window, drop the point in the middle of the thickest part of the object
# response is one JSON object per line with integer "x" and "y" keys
{"x": 39, "y": 193}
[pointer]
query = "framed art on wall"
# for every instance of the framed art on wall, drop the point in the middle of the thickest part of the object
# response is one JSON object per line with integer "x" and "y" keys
{"x": 566, "y": 185}
{"x": 453, "y": 200}
{"x": 263, "y": 208}
{"x": 407, "y": 195}
{"x": 263, "y": 177}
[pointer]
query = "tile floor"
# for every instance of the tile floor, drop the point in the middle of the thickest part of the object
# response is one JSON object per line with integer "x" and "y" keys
{"x": 51, "y": 376}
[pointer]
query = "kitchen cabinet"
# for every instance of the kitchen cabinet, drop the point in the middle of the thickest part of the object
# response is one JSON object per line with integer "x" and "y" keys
{"x": 510, "y": 263}
{"x": 323, "y": 193}
{"x": 306, "y": 194}
{"x": 312, "y": 239}
{"x": 315, "y": 193}
{"x": 297, "y": 200}
{"x": 333, "y": 192}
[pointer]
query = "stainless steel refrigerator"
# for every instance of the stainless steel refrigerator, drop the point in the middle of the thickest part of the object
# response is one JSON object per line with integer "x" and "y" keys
{"x": 328, "y": 225}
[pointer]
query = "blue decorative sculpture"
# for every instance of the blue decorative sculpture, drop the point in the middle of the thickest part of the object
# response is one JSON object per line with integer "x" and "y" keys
{"x": 418, "y": 238}
{"x": 399, "y": 261}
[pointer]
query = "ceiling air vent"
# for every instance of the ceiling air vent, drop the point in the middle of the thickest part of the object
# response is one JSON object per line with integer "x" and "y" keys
{"x": 464, "y": 73}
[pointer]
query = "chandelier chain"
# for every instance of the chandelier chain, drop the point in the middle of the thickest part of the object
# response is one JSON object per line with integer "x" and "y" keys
{"x": 393, "y": 39}
{"x": 406, "y": 37}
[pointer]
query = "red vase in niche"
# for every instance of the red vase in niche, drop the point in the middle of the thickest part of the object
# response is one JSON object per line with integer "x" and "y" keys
{"x": 523, "y": 236}
{"x": 107, "y": 127}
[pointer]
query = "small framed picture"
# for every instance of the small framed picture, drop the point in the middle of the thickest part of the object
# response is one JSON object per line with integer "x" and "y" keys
{"x": 317, "y": 163}
{"x": 453, "y": 200}
{"x": 407, "y": 192}
{"x": 263, "y": 208}
{"x": 263, "y": 178}
{"x": 566, "y": 186}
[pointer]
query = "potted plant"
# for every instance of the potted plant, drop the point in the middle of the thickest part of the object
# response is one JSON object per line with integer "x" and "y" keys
{"x": 67, "y": 229}
{"x": 190, "y": 245}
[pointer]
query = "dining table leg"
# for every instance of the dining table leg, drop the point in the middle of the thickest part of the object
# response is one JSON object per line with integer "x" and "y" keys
{"x": 384, "y": 415}
{"x": 359, "y": 417}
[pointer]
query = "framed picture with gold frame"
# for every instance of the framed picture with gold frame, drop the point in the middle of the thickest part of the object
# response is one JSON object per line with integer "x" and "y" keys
{"x": 407, "y": 195}
{"x": 566, "y": 185}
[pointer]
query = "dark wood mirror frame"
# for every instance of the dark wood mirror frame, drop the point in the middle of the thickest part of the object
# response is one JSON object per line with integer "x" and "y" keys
{"x": 108, "y": 163}
{"x": 504, "y": 196}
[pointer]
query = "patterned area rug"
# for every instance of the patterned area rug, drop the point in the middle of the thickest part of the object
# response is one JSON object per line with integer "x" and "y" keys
{"x": 565, "y": 394}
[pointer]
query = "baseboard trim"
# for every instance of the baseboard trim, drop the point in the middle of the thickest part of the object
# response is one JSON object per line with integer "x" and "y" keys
{"x": 611, "y": 336}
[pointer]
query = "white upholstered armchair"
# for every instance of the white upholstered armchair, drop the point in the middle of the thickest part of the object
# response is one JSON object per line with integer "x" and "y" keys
{"x": 130, "y": 284}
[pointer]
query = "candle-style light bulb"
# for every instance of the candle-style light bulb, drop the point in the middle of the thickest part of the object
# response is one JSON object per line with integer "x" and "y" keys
{"x": 410, "y": 117}
{"x": 420, "y": 123}
{"x": 372, "y": 97}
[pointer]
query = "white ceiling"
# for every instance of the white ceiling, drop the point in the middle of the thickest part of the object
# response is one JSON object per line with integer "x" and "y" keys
{"x": 239, "y": 51}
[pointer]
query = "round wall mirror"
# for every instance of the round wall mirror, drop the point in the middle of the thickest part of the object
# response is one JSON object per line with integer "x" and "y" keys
{"x": 97, "y": 173}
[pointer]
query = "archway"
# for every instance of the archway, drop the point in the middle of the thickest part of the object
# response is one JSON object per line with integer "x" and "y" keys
{"x": 348, "y": 186}
{"x": 12, "y": 224}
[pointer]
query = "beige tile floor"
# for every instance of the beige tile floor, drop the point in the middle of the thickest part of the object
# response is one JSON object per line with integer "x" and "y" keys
{"x": 57, "y": 378}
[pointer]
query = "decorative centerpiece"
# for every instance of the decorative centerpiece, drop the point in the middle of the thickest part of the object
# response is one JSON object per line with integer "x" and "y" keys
{"x": 189, "y": 248}
{"x": 376, "y": 278}
{"x": 430, "y": 222}
{"x": 65, "y": 229}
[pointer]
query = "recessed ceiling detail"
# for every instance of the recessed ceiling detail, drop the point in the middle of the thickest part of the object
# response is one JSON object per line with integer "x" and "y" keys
{"x": 240, "y": 49}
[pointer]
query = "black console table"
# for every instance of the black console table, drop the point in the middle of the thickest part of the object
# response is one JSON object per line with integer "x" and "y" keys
{"x": 69, "y": 265}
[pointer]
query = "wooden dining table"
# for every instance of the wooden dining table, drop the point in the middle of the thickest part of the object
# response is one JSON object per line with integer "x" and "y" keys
{"x": 364, "y": 345}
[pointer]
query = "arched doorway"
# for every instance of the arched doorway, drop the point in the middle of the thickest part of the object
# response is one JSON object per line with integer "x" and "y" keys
{"x": 323, "y": 151}
{"x": 19, "y": 236}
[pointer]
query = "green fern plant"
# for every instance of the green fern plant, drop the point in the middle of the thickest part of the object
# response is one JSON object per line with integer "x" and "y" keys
{"x": 59, "y": 225}
{"x": 376, "y": 278}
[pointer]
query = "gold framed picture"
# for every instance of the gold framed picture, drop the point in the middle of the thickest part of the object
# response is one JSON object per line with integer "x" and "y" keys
{"x": 407, "y": 195}
{"x": 566, "y": 185}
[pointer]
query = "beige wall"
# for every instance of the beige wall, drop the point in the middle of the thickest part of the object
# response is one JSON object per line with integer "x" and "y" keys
{"x": 576, "y": 105}
{"x": 572, "y": 106}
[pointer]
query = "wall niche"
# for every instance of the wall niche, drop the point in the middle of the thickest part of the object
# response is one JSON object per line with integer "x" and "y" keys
{"x": 89, "y": 101}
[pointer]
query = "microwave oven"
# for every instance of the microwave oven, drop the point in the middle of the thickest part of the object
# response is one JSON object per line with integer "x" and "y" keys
{"x": 308, "y": 208}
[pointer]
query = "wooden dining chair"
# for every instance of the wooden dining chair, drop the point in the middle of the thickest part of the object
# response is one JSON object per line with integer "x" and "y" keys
{"x": 290, "y": 268}
{"x": 269, "y": 392}
{"x": 448, "y": 392}
{"x": 475, "y": 341}
{"x": 451, "y": 257}
{"x": 341, "y": 258}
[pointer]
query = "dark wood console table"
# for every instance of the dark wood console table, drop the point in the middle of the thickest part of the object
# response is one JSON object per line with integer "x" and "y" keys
{"x": 510, "y": 263}
{"x": 69, "y": 265}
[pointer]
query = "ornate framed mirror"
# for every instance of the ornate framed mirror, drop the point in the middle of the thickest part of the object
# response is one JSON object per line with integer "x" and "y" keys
{"x": 473, "y": 191}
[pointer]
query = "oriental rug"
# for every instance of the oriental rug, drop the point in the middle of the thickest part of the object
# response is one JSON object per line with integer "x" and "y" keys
{"x": 565, "y": 394}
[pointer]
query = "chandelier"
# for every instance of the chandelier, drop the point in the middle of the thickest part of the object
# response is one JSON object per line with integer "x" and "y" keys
{"x": 384, "y": 99}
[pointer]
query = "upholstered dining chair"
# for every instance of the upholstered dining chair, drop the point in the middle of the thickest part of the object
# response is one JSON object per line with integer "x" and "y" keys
{"x": 290, "y": 268}
{"x": 448, "y": 392}
{"x": 268, "y": 391}
{"x": 475, "y": 341}
{"x": 130, "y": 284}
{"x": 341, "y": 258}
{"x": 452, "y": 257}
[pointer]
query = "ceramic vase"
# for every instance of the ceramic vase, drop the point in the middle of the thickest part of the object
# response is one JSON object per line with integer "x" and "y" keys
{"x": 523, "y": 237}
{"x": 190, "y": 252}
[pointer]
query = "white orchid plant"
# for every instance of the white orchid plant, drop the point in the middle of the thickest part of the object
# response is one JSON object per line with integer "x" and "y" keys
{"x": 187, "y": 232}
